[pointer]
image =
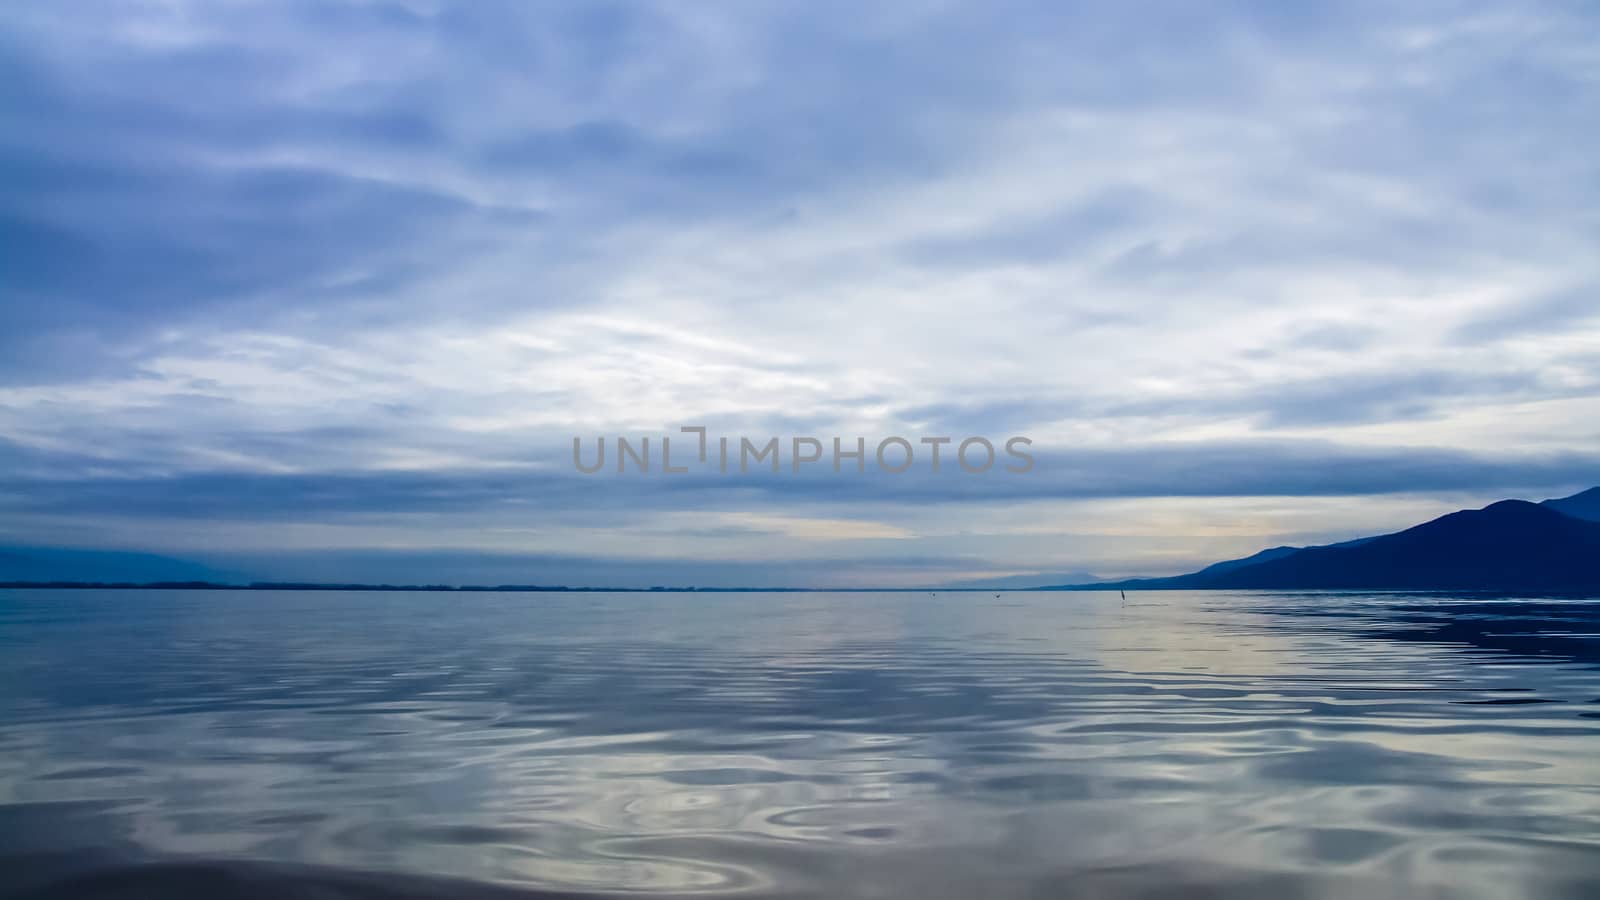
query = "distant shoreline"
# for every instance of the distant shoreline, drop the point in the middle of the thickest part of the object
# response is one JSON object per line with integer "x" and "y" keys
{"x": 479, "y": 588}
{"x": 561, "y": 589}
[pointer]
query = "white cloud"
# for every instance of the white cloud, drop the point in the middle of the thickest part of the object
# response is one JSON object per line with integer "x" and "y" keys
{"x": 474, "y": 232}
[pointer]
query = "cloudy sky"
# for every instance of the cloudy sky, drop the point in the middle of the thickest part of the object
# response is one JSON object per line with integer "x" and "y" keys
{"x": 326, "y": 290}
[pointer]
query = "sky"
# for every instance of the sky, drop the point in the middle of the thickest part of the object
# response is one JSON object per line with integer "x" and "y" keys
{"x": 326, "y": 290}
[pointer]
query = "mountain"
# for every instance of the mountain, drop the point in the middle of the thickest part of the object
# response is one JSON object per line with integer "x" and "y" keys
{"x": 1228, "y": 565}
{"x": 1580, "y": 506}
{"x": 54, "y": 564}
{"x": 1512, "y": 545}
{"x": 1021, "y": 582}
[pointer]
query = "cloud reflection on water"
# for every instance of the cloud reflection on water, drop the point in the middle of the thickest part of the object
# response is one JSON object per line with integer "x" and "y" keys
{"x": 805, "y": 745}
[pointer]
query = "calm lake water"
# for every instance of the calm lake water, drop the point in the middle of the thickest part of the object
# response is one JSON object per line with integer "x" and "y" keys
{"x": 1206, "y": 744}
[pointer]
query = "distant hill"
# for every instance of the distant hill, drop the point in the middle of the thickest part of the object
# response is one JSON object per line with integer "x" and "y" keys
{"x": 1185, "y": 581}
{"x": 1021, "y": 582}
{"x": 1582, "y": 506}
{"x": 1228, "y": 565}
{"x": 1512, "y": 545}
{"x": 55, "y": 564}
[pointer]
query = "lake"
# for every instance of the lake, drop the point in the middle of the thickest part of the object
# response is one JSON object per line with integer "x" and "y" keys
{"x": 885, "y": 745}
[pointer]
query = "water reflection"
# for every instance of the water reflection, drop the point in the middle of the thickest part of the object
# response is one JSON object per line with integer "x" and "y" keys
{"x": 804, "y": 745}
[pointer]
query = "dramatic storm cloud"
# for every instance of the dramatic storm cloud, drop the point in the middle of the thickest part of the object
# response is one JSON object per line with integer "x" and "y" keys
{"x": 311, "y": 289}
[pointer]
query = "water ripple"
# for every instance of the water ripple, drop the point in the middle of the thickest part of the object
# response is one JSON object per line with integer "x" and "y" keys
{"x": 1251, "y": 744}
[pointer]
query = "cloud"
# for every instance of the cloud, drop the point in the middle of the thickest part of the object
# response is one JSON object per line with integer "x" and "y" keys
{"x": 552, "y": 494}
{"x": 1355, "y": 398}
{"x": 1563, "y": 310}
{"x": 377, "y": 263}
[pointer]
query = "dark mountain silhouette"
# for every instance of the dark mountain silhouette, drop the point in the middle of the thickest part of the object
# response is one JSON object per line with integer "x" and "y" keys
{"x": 1581, "y": 506}
{"x": 1512, "y": 545}
{"x": 1020, "y": 582}
{"x": 1187, "y": 582}
{"x": 1228, "y": 565}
